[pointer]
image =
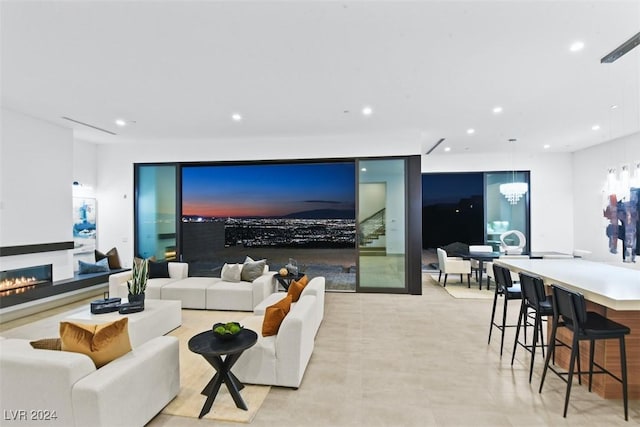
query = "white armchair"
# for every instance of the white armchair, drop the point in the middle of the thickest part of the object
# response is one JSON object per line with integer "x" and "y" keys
{"x": 453, "y": 265}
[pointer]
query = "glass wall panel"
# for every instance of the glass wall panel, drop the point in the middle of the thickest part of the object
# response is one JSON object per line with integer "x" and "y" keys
{"x": 381, "y": 224}
{"x": 278, "y": 211}
{"x": 155, "y": 207}
{"x": 503, "y": 215}
{"x": 452, "y": 209}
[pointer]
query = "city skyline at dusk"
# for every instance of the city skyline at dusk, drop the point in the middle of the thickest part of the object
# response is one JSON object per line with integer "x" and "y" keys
{"x": 267, "y": 190}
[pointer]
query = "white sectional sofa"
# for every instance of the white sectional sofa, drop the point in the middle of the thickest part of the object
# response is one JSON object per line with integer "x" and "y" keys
{"x": 211, "y": 293}
{"x": 128, "y": 391}
{"x": 118, "y": 281}
{"x": 281, "y": 359}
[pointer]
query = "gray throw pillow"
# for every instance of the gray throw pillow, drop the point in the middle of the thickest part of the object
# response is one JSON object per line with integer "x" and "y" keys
{"x": 231, "y": 272}
{"x": 251, "y": 269}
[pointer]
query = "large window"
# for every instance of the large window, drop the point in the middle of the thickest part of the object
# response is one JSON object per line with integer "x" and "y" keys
{"x": 277, "y": 211}
{"x": 209, "y": 214}
{"x": 469, "y": 208}
{"x": 452, "y": 209}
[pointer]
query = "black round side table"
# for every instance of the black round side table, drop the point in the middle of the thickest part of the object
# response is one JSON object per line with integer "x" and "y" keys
{"x": 212, "y": 349}
{"x": 286, "y": 280}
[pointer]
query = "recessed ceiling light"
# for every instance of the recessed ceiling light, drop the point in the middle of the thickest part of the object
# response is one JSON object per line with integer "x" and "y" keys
{"x": 121, "y": 122}
{"x": 236, "y": 117}
{"x": 595, "y": 127}
{"x": 471, "y": 131}
{"x": 497, "y": 110}
{"x": 367, "y": 111}
{"x": 447, "y": 149}
{"x": 614, "y": 106}
{"x": 576, "y": 46}
{"x": 545, "y": 146}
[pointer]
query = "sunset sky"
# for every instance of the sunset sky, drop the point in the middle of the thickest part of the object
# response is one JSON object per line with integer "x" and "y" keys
{"x": 266, "y": 190}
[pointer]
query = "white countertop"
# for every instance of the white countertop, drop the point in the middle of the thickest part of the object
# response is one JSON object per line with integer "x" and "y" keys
{"x": 608, "y": 285}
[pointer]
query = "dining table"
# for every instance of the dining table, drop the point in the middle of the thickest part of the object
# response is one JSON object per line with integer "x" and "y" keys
{"x": 611, "y": 290}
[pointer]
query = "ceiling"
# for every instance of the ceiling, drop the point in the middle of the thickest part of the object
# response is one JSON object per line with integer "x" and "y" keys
{"x": 428, "y": 70}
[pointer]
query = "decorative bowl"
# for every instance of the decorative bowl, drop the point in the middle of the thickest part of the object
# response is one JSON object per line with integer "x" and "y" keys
{"x": 227, "y": 331}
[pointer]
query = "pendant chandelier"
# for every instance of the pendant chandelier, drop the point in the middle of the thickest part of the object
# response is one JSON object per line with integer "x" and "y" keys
{"x": 514, "y": 190}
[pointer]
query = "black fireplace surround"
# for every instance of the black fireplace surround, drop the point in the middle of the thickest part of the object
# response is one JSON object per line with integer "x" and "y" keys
{"x": 23, "y": 285}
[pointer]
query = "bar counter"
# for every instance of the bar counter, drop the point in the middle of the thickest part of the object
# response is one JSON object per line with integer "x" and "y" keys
{"x": 609, "y": 290}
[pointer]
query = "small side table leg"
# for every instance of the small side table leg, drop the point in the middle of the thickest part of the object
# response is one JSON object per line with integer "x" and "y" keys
{"x": 236, "y": 381}
{"x": 207, "y": 389}
{"x": 211, "y": 397}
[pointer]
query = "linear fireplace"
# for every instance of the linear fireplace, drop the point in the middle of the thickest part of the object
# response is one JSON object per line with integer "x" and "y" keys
{"x": 19, "y": 285}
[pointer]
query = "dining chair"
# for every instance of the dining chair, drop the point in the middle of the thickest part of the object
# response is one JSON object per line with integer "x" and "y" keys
{"x": 452, "y": 265}
{"x": 475, "y": 264}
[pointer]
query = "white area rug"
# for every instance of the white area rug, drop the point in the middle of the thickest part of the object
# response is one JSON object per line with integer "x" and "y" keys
{"x": 195, "y": 373}
{"x": 460, "y": 290}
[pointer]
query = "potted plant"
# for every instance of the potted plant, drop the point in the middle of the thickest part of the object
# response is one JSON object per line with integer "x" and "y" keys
{"x": 138, "y": 283}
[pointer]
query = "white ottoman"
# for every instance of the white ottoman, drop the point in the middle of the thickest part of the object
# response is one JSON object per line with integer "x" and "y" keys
{"x": 191, "y": 291}
{"x": 157, "y": 318}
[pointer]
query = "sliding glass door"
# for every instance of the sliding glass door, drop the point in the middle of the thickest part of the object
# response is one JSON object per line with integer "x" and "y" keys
{"x": 381, "y": 219}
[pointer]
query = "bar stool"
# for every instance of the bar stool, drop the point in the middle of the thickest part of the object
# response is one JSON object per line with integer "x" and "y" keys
{"x": 506, "y": 288}
{"x": 585, "y": 325}
{"x": 533, "y": 298}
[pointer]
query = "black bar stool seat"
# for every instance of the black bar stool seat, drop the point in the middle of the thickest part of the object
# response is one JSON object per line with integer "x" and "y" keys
{"x": 571, "y": 307}
{"x": 535, "y": 299}
{"x": 510, "y": 291}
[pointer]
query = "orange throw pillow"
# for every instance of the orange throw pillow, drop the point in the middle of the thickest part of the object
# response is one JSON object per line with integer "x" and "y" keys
{"x": 102, "y": 343}
{"x": 284, "y": 303}
{"x": 274, "y": 315}
{"x": 296, "y": 287}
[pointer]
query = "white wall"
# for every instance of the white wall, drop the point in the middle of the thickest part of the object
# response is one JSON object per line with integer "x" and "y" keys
{"x": 551, "y": 190}
{"x": 35, "y": 190}
{"x": 590, "y": 168}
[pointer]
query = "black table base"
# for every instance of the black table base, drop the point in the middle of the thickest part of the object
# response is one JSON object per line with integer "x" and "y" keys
{"x": 213, "y": 349}
{"x": 223, "y": 375}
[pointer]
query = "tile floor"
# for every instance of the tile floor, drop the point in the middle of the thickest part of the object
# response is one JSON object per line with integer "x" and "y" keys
{"x": 400, "y": 360}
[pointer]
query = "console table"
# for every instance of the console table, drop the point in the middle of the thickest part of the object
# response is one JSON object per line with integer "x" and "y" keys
{"x": 609, "y": 290}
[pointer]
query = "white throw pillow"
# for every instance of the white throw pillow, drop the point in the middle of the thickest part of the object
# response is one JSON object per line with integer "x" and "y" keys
{"x": 231, "y": 272}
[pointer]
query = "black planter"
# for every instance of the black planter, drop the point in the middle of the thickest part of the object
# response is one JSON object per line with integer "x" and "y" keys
{"x": 136, "y": 298}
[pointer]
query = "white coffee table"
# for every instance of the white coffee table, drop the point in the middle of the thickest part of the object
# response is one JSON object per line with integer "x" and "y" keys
{"x": 158, "y": 318}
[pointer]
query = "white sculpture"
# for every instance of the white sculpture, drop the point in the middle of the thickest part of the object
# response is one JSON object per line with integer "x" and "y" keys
{"x": 512, "y": 250}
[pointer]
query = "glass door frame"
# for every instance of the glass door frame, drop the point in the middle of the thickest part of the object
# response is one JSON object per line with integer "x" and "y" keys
{"x": 526, "y": 198}
{"x": 412, "y": 227}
